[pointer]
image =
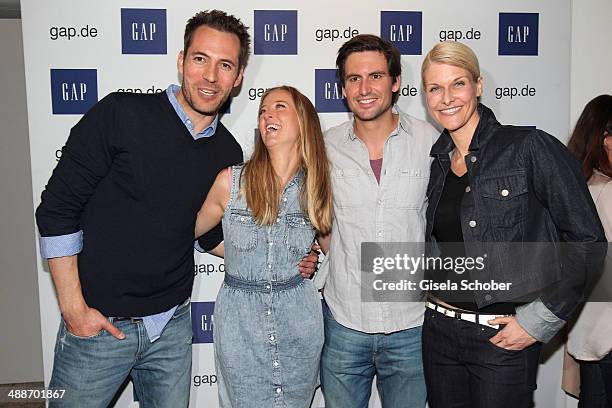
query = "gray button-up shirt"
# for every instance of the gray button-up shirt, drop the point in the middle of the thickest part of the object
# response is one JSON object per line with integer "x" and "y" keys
{"x": 365, "y": 211}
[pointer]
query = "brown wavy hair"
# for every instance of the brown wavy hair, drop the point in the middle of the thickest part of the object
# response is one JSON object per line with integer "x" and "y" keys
{"x": 263, "y": 187}
{"x": 587, "y": 141}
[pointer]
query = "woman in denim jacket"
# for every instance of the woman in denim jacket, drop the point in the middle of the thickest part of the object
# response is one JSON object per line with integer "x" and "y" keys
{"x": 268, "y": 330}
{"x": 507, "y": 196}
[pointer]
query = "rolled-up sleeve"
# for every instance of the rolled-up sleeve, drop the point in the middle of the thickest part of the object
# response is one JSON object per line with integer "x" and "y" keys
{"x": 61, "y": 245}
{"x": 537, "y": 320}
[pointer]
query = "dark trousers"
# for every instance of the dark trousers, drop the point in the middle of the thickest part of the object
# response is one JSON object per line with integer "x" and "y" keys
{"x": 463, "y": 369}
{"x": 596, "y": 383}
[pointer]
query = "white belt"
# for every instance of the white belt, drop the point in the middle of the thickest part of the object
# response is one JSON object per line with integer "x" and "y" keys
{"x": 467, "y": 316}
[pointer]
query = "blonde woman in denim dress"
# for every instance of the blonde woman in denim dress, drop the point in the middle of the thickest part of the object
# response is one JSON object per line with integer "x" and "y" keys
{"x": 268, "y": 330}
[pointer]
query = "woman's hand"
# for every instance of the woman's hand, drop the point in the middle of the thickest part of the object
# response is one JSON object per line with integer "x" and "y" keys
{"x": 511, "y": 337}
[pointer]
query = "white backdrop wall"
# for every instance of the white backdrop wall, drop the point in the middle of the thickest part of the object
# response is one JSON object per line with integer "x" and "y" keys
{"x": 77, "y": 52}
{"x": 591, "y": 57}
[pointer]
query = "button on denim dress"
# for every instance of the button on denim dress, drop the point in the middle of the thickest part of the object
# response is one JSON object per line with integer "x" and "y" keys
{"x": 268, "y": 330}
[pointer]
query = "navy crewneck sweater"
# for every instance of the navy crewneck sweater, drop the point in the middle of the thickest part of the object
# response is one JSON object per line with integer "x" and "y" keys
{"x": 133, "y": 178}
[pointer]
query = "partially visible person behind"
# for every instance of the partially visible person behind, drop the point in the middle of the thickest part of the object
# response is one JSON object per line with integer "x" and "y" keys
{"x": 495, "y": 188}
{"x": 590, "y": 340}
{"x": 268, "y": 322}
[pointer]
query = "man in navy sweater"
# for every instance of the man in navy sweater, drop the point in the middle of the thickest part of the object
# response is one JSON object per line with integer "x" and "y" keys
{"x": 117, "y": 220}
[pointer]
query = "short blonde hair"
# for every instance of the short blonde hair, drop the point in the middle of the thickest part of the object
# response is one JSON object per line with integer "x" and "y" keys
{"x": 452, "y": 53}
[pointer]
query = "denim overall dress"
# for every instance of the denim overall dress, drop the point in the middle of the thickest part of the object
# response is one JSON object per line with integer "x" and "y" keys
{"x": 268, "y": 330}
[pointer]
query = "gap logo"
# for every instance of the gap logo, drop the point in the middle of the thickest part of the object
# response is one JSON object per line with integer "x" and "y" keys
{"x": 143, "y": 31}
{"x": 328, "y": 92}
{"x": 73, "y": 91}
{"x": 202, "y": 321}
{"x": 518, "y": 34}
{"x": 275, "y": 32}
{"x": 404, "y": 29}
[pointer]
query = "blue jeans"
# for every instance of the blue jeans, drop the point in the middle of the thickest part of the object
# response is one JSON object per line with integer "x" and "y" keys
{"x": 351, "y": 358}
{"x": 92, "y": 369}
{"x": 463, "y": 369}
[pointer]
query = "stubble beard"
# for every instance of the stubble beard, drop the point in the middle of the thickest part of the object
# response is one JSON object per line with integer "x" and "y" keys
{"x": 376, "y": 115}
{"x": 192, "y": 105}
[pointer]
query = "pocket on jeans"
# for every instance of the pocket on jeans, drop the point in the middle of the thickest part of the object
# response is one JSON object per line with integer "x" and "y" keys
{"x": 60, "y": 335}
{"x": 501, "y": 349}
{"x": 487, "y": 334}
{"x": 70, "y": 334}
{"x": 182, "y": 309}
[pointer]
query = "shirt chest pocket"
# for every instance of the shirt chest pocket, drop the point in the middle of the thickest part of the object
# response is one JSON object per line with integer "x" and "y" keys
{"x": 504, "y": 199}
{"x": 411, "y": 187}
{"x": 243, "y": 230}
{"x": 347, "y": 185}
{"x": 299, "y": 233}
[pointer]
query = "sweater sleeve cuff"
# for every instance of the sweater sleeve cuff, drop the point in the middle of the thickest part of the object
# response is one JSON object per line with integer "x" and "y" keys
{"x": 538, "y": 321}
{"x": 61, "y": 245}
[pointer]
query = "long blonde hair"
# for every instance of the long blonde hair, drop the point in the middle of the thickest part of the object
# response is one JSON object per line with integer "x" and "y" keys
{"x": 263, "y": 187}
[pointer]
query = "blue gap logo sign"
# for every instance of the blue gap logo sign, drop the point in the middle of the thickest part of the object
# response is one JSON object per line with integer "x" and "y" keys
{"x": 518, "y": 34}
{"x": 275, "y": 32}
{"x": 73, "y": 91}
{"x": 202, "y": 320}
{"x": 143, "y": 31}
{"x": 404, "y": 29}
{"x": 328, "y": 92}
